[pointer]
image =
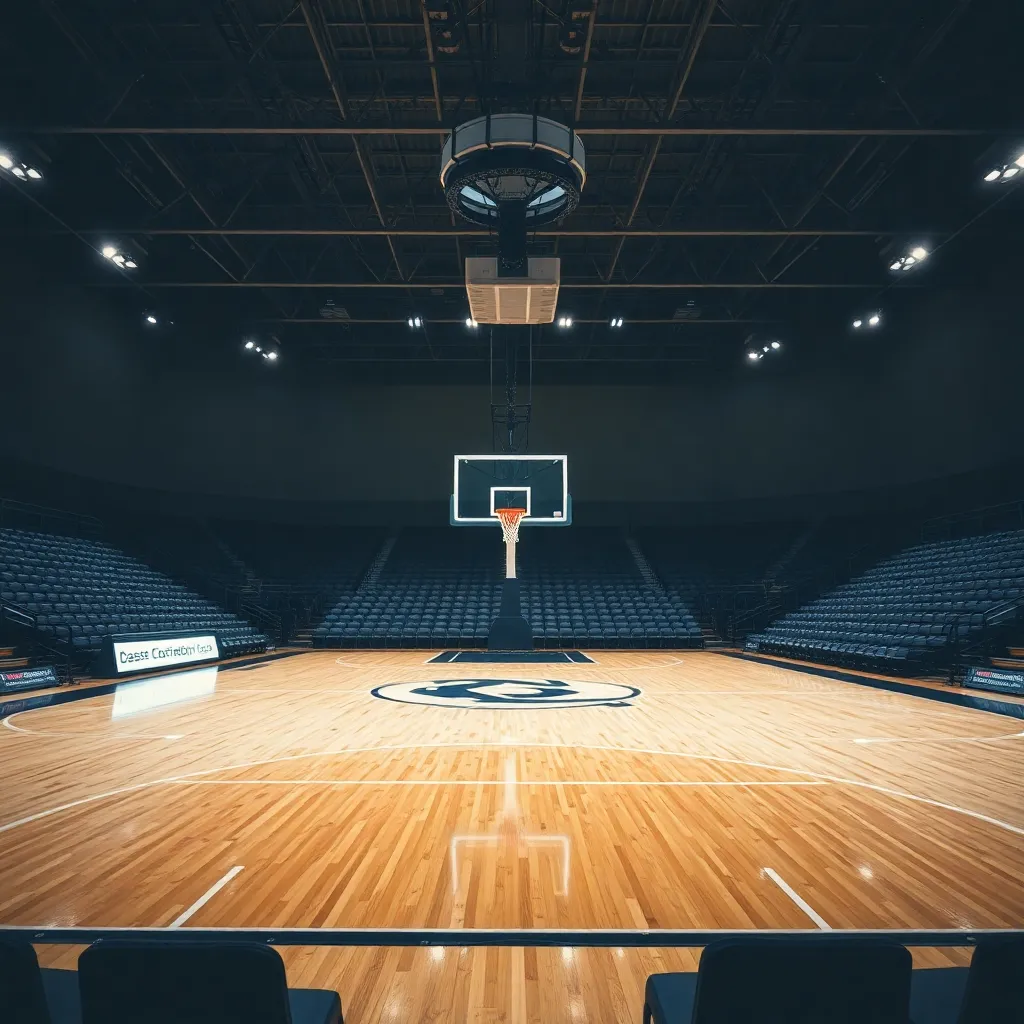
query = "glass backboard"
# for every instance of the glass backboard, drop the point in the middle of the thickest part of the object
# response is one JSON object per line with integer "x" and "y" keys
{"x": 537, "y": 483}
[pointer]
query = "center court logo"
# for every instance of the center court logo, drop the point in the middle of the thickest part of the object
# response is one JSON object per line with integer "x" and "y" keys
{"x": 508, "y": 693}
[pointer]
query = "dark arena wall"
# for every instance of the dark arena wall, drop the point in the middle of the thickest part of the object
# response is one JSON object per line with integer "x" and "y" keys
{"x": 934, "y": 396}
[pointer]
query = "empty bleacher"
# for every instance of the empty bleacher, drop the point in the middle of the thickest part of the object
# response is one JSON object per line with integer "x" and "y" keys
{"x": 89, "y": 589}
{"x": 442, "y": 587}
{"x": 906, "y": 611}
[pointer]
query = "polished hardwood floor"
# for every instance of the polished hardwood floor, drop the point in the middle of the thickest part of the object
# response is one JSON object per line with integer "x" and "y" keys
{"x": 725, "y": 794}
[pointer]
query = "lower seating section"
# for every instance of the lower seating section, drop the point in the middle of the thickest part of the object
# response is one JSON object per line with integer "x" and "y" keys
{"x": 439, "y": 587}
{"x": 94, "y": 590}
{"x": 442, "y": 587}
{"x": 581, "y": 587}
{"x": 908, "y": 609}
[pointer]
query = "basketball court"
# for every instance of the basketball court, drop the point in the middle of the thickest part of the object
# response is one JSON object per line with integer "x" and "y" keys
{"x": 642, "y": 791}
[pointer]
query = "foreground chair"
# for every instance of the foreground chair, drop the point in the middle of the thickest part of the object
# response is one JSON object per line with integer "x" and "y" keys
{"x": 29, "y": 995}
{"x": 126, "y": 982}
{"x": 992, "y": 990}
{"x": 764, "y": 980}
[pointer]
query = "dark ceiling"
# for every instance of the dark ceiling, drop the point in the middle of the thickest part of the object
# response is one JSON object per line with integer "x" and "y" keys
{"x": 754, "y": 165}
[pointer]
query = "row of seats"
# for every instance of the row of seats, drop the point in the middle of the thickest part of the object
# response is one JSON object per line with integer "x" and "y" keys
{"x": 85, "y": 590}
{"x": 907, "y": 609}
{"x": 443, "y": 587}
{"x": 753, "y": 979}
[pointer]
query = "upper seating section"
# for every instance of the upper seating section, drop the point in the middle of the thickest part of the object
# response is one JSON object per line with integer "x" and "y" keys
{"x": 443, "y": 587}
{"x": 906, "y": 608}
{"x": 326, "y": 561}
{"x": 96, "y": 590}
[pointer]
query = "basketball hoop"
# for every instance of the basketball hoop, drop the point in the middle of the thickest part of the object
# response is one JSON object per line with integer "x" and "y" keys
{"x": 510, "y": 519}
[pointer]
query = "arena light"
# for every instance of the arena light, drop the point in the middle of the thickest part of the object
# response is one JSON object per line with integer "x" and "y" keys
{"x": 564, "y": 322}
{"x": 471, "y": 323}
{"x": 272, "y": 356}
{"x": 776, "y": 345}
{"x": 616, "y": 321}
{"x": 916, "y": 255}
{"x": 415, "y": 321}
{"x": 875, "y": 319}
{"x": 150, "y": 318}
{"x": 18, "y": 172}
{"x": 753, "y": 356}
{"x": 919, "y": 253}
{"x": 250, "y": 345}
{"x": 109, "y": 252}
{"x": 6, "y": 162}
{"x": 993, "y": 174}
{"x": 33, "y": 173}
{"x": 120, "y": 259}
{"x": 858, "y": 323}
{"x": 1011, "y": 172}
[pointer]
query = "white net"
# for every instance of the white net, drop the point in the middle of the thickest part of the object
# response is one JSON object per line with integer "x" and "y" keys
{"x": 510, "y": 519}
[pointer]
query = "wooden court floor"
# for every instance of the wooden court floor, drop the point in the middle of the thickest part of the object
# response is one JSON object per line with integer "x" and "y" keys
{"x": 349, "y": 789}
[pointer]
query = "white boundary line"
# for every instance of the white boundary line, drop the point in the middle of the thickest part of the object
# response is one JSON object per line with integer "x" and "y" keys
{"x": 888, "y": 791}
{"x": 477, "y": 782}
{"x": 798, "y": 900}
{"x": 206, "y": 897}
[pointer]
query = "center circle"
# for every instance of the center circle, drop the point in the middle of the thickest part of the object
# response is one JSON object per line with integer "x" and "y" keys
{"x": 507, "y": 693}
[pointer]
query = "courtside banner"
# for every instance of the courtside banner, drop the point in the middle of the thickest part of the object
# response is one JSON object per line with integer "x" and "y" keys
{"x": 165, "y": 652}
{"x": 999, "y": 679}
{"x": 27, "y": 678}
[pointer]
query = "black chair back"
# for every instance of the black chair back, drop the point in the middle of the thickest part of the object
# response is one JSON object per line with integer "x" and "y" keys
{"x": 152, "y": 982}
{"x": 801, "y": 981}
{"x": 995, "y": 984}
{"x": 22, "y": 998}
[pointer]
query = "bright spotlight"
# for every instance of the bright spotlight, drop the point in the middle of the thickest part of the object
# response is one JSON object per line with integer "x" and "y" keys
{"x": 272, "y": 356}
{"x": 919, "y": 253}
{"x": 131, "y": 264}
{"x": 109, "y": 252}
{"x": 897, "y": 265}
{"x": 565, "y": 321}
{"x": 118, "y": 259}
{"x": 1020, "y": 160}
{"x": 1011, "y": 171}
{"x": 258, "y": 349}
{"x": 776, "y": 345}
{"x": 33, "y": 173}
{"x": 18, "y": 172}
{"x": 415, "y": 321}
{"x": 471, "y": 323}
{"x": 6, "y": 162}
{"x": 874, "y": 319}
{"x": 250, "y": 345}
{"x": 753, "y": 355}
{"x": 993, "y": 174}
{"x": 616, "y": 321}
{"x": 858, "y": 323}
{"x": 150, "y": 319}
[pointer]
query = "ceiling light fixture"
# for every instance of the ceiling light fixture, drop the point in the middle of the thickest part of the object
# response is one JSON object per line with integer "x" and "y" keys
{"x": 150, "y": 319}
{"x": 776, "y": 345}
{"x": 250, "y": 345}
{"x": 6, "y": 162}
{"x": 858, "y": 323}
{"x": 272, "y": 356}
{"x": 874, "y": 319}
{"x": 616, "y": 321}
{"x": 33, "y": 173}
{"x": 471, "y": 323}
{"x": 18, "y": 172}
{"x": 754, "y": 355}
{"x": 415, "y": 321}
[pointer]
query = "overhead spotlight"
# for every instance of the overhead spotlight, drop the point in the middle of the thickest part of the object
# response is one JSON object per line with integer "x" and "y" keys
{"x": 919, "y": 252}
{"x": 754, "y": 355}
{"x": 1012, "y": 171}
{"x": 915, "y": 256}
{"x": 131, "y": 264}
{"x": 874, "y": 319}
{"x": 109, "y": 252}
{"x": 858, "y": 323}
{"x": 565, "y": 321}
{"x": 993, "y": 174}
{"x": 471, "y": 323}
{"x": 896, "y": 265}
{"x": 118, "y": 259}
{"x": 765, "y": 349}
{"x": 415, "y": 321}
{"x": 1020, "y": 160}
{"x": 150, "y": 319}
{"x": 1006, "y": 172}
{"x": 776, "y": 345}
{"x": 250, "y": 344}
{"x": 6, "y": 162}
{"x": 616, "y": 321}
{"x": 258, "y": 349}
{"x": 19, "y": 172}
{"x": 33, "y": 173}
{"x": 272, "y": 356}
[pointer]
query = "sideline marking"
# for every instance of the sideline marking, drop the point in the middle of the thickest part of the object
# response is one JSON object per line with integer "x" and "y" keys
{"x": 798, "y": 900}
{"x": 206, "y": 897}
